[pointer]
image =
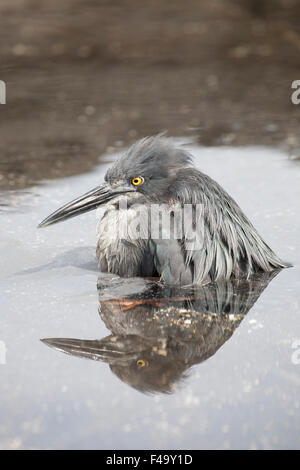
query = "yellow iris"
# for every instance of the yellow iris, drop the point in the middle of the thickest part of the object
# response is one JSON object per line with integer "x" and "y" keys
{"x": 141, "y": 363}
{"x": 137, "y": 180}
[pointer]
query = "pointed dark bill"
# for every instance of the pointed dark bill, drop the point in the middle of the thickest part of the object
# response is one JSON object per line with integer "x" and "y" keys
{"x": 109, "y": 349}
{"x": 87, "y": 202}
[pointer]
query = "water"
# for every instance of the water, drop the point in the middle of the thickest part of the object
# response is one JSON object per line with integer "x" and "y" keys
{"x": 213, "y": 368}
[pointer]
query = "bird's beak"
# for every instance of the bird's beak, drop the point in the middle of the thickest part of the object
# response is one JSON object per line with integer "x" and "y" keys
{"x": 89, "y": 201}
{"x": 110, "y": 349}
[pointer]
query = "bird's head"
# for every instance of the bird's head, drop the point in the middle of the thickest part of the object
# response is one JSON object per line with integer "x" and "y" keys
{"x": 147, "y": 169}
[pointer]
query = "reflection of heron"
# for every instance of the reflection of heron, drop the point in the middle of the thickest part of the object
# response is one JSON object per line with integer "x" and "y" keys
{"x": 154, "y": 172}
{"x": 159, "y": 332}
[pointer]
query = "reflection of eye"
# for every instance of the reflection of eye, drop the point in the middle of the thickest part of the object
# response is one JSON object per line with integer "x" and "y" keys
{"x": 137, "y": 180}
{"x": 141, "y": 363}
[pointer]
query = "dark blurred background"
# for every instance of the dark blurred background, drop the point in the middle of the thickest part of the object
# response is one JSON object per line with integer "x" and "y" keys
{"x": 85, "y": 77}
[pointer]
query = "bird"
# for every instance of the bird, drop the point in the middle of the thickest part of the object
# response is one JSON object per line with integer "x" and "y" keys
{"x": 145, "y": 192}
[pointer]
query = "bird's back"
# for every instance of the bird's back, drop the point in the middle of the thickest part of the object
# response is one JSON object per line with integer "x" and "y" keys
{"x": 225, "y": 244}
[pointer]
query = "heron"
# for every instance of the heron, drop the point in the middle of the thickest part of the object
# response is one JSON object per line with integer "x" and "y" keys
{"x": 155, "y": 172}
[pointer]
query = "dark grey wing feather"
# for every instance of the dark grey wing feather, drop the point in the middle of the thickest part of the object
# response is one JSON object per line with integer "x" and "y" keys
{"x": 225, "y": 244}
{"x": 170, "y": 262}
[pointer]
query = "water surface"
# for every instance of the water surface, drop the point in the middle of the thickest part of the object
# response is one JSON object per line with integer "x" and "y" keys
{"x": 149, "y": 367}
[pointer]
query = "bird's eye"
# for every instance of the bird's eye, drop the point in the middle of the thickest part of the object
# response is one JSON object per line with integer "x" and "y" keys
{"x": 137, "y": 181}
{"x": 141, "y": 363}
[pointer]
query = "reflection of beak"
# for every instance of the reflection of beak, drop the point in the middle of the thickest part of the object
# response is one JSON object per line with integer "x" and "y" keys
{"x": 112, "y": 349}
{"x": 89, "y": 201}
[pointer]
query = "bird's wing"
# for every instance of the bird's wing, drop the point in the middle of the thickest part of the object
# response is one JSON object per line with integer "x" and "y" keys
{"x": 220, "y": 241}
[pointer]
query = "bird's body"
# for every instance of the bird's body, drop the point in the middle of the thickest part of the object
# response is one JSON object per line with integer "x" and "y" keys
{"x": 126, "y": 256}
{"x": 155, "y": 182}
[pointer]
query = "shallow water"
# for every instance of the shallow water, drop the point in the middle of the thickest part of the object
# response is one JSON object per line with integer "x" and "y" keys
{"x": 228, "y": 356}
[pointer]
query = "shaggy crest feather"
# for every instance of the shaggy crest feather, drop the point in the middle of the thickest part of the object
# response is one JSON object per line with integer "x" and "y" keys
{"x": 155, "y": 157}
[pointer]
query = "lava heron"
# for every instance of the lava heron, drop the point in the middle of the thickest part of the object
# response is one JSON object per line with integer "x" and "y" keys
{"x": 156, "y": 178}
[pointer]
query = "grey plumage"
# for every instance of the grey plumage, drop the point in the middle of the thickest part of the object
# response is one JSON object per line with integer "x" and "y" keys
{"x": 153, "y": 157}
{"x": 231, "y": 245}
{"x": 226, "y": 245}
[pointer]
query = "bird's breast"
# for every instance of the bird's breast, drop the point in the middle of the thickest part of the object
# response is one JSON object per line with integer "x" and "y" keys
{"x": 122, "y": 246}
